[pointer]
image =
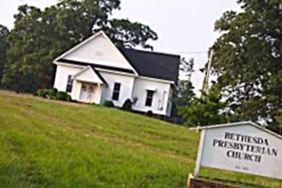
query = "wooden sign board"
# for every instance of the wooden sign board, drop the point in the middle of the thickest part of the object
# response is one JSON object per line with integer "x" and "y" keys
{"x": 242, "y": 147}
{"x": 200, "y": 183}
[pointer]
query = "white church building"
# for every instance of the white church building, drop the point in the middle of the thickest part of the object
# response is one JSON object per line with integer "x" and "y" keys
{"x": 96, "y": 71}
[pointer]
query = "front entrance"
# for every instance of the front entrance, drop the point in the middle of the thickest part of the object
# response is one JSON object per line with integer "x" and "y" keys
{"x": 87, "y": 93}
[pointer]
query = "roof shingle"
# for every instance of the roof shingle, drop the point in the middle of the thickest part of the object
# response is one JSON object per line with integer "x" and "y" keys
{"x": 153, "y": 64}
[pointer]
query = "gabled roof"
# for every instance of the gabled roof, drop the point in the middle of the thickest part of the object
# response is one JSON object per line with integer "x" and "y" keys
{"x": 79, "y": 54}
{"x": 153, "y": 64}
{"x": 94, "y": 65}
{"x": 95, "y": 73}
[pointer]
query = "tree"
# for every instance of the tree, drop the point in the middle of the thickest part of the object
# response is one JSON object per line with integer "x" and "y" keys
{"x": 183, "y": 91}
{"x": 3, "y": 47}
{"x": 247, "y": 59}
{"x": 41, "y": 35}
{"x": 205, "y": 110}
{"x": 278, "y": 119}
{"x": 187, "y": 68}
{"x": 129, "y": 34}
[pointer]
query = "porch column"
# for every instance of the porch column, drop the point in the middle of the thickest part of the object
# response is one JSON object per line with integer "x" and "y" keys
{"x": 76, "y": 90}
{"x": 99, "y": 93}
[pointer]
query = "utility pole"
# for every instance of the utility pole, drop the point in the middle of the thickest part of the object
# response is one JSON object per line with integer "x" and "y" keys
{"x": 205, "y": 87}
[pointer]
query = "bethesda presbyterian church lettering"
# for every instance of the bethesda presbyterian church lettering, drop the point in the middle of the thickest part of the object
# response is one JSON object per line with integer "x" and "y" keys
{"x": 245, "y": 147}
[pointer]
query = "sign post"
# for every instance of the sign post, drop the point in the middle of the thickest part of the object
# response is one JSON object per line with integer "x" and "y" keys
{"x": 199, "y": 155}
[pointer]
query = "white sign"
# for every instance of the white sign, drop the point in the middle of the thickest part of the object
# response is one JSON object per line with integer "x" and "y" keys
{"x": 242, "y": 147}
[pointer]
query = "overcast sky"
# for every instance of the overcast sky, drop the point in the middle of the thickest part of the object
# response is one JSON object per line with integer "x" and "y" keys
{"x": 185, "y": 27}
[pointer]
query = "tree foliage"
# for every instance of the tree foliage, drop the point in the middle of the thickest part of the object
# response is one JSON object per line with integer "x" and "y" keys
{"x": 3, "y": 47}
{"x": 182, "y": 95}
{"x": 278, "y": 119}
{"x": 248, "y": 59}
{"x": 183, "y": 91}
{"x": 187, "y": 67}
{"x": 129, "y": 34}
{"x": 205, "y": 110}
{"x": 41, "y": 35}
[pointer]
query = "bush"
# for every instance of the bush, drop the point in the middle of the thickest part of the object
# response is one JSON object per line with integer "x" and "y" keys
{"x": 69, "y": 98}
{"x": 52, "y": 92}
{"x": 150, "y": 113}
{"x": 62, "y": 96}
{"x": 47, "y": 93}
{"x": 40, "y": 93}
{"x": 127, "y": 105}
{"x": 109, "y": 104}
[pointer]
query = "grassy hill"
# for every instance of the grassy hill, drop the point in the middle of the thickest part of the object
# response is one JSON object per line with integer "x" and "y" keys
{"x": 53, "y": 144}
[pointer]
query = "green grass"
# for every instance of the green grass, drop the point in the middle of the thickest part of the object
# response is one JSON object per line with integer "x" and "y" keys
{"x": 54, "y": 144}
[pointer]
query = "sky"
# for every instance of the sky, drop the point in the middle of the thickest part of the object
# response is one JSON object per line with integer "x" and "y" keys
{"x": 184, "y": 27}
